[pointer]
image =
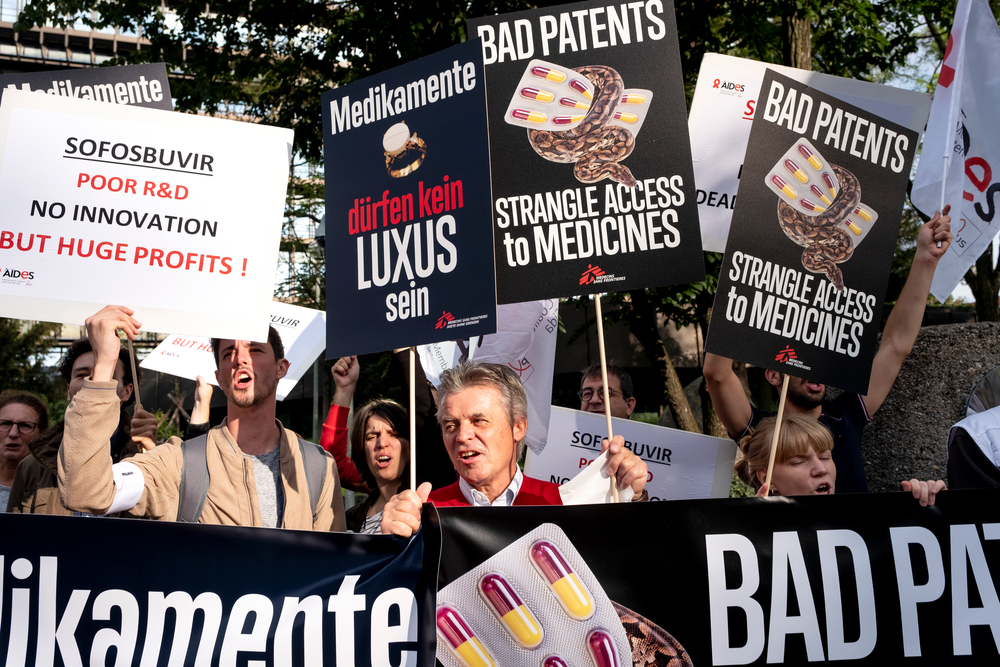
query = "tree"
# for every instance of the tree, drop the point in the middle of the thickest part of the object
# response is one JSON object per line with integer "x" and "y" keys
{"x": 23, "y": 348}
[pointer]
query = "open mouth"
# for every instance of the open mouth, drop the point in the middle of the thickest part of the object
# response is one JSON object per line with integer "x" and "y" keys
{"x": 243, "y": 380}
{"x": 814, "y": 386}
{"x": 467, "y": 457}
{"x": 823, "y": 488}
{"x": 383, "y": 461}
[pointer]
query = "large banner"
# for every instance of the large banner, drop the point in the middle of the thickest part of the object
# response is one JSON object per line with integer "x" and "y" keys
{"x": 303, "y": 335}
{"x": 174, "y": 215}
{"x": 593, "y": 187}
{"x": 135, "y": 85}
{"x": 722, "y": 111}
{"x": 77, "y": 591}
{"x": 873, "y": 579}
{"x": 409, "y": 244}
{"x": 682, "y": 465}
{"x": 808, "y": 257}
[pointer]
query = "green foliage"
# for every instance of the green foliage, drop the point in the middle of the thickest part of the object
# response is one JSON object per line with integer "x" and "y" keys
{"x": 23, "y": 348}
{"x": 740, "y": 489}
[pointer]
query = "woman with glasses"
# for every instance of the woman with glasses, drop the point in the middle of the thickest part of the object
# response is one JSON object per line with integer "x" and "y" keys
{"x": 22, "y": 417}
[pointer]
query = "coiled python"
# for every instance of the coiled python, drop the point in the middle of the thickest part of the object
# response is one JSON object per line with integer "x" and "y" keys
{"x": 593, "y": 145}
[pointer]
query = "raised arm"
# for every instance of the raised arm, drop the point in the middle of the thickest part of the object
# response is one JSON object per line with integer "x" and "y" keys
{"x": 728, "y": 398}
{"x": 904, "y": 322}
{"x": 334, "y": 438}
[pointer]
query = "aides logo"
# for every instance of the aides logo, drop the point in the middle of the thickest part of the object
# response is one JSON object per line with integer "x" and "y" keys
{"x": 443, "y": 321}
{"x": 595, "y": 275}
{"x": 728, "y": 87}
{"x": 788, "y": 356}
{"x": 16, "y": 276}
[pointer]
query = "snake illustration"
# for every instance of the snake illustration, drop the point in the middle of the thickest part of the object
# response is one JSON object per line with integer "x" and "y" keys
{"x": 593, "y": 145}
{"x": 824, "y": 236}
{"x": 652, "y": 646}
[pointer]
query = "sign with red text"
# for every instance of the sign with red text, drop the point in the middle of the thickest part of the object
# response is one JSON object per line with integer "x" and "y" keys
{"x": 174, "y": 215}
{"x": 302, "y": 331}
{"x": 682, "y": 465}
{"x": 409, "y": 245}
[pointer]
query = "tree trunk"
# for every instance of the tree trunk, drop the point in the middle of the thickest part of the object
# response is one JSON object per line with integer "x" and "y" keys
{"x": 643, "y": 327}
{"x": 985, "y": 285}
{"x": 796, "y": 40}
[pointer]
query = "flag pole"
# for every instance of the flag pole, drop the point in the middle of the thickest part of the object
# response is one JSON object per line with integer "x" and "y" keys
{"x": 944, "y": 186}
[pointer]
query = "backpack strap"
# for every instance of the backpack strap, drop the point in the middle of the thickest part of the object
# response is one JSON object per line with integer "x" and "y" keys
{"x": 314, "y": 462}
{"x": 194, "y": 479}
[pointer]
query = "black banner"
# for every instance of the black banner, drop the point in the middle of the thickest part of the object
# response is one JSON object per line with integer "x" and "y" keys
{"x": 134, "y": 85}
{"x": 593, "y": 184}
{"x": 872, "y": 579}
{"x": 408, "y": 238}
{"x": 812, "y": 239}
{"x": 77, "y": 590}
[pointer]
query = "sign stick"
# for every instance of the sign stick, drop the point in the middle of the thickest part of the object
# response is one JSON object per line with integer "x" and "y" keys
{"x": 604, "y": 381}
{"x": 413, "y": 420}
{"x": 777, "y": 431}
{"x": 135, "y": 377}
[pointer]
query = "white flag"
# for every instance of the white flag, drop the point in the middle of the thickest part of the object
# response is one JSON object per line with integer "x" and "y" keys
{"x": 962, "y": 146}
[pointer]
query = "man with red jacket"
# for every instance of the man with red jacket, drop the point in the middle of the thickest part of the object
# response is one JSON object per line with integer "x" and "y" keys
{"x": 484, "y": 417}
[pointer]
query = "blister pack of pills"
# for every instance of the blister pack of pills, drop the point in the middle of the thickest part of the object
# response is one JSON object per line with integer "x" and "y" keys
{"x": 860, "y": 221}
{"x": 554, "y": 98}
{"x": 534, "y": 603}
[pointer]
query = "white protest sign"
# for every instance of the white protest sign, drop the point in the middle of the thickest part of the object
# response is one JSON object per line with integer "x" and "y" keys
{"x": 725, "y": 99}
{"x": 175, "y": 215}
{"x": 682, "y": 465}
{"x": 302, "y": 331}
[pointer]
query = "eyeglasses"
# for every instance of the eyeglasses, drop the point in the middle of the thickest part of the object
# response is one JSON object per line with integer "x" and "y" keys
{"x": 22, "y": 427}
{"x": 587, "y": 395}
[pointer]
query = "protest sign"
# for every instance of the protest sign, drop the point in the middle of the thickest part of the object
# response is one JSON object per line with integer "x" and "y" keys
{"x": 174, "y": 215}
{"x": 136, "y": 85}
{"x": 808, "y": 257}
{"x": 682, "y": 465}
{"x": 726, "y": 97}
{"x": 219, "y": 595}
{"x": 302, "y": 331}
{"x": 874, "y": 579}
{"x": 408, "y": 237}
{"x": 585, "y": 202}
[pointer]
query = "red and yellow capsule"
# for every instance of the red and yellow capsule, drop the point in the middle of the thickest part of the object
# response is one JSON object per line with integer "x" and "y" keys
{"x": 794, "y": 170}
{"x": 554, "y": 661}
{"x": 581, "y": 87}
{"x": 530, "y": 116}
{"x": 461, "y": 640}
{"x": 853, "y": 227}
{"x": 819, "y": 193}
{"x": 809, "y": 206}
{"x": 633, "y": 98}
{"x": 569, "y": 590}
{"x": 626, "y": 117}
{"x": 538, "y": 95}
{"x": 810, "y": 158}
{"x": 566, "y": 120}
{"x": 602, "y": 649}
{"x": 863, "y": 214}
{"x": 831, "y": 184}
{"x": 550, "y": 74}
{"x": 784, "y": 187}
{"x": 511, "y": 611}
{"x": 573, "y": 104}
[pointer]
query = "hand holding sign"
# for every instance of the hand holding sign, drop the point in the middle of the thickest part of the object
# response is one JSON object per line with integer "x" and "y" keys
{"x": 627, "y": 468}
{"x": 934, "y": 236}
{"x": 401, "y": 515}
{"x": 144, "y": 428}
{"x": 102, "y": 330}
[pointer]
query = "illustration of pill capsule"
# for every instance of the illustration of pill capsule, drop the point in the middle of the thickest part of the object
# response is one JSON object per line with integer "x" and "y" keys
{"x": 853, "y": 227}
{"x": 581, "y": 87}
{"x": 530, "y": 116}
{"x": 810, "y": 158}
{"x": 794, "y": 170}
{"x": 819, "y": 193}
{"x": 626, "y": 117}
{"x": 784, "y": 187}
{"x": 633, "y": 98}
{"x": 569, "y": 590}
{"x": 550, "y": 74}
{"x": 463, "y": 643}
{"x": 573, "y": 104}
{"x": 809, "y": 206}
{"x": 566, "y": 120}
{"x": 830, "y": 183}
{"x": 602, "y": 649}
{"x": 513, "y": 614}
{"x": 554, "y": 661}
{"x": 539, "y": 95}
{"x": 863, "y": 214}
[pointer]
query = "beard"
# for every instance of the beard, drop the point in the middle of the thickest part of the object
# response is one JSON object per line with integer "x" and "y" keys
{"x": 264, "y": 388}
{"x": 803, "y": 398}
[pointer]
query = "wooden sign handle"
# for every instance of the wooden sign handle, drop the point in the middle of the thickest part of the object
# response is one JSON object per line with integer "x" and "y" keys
{"x": 777, "y": 431}
{"x": 413, "y": 420}
{"x": 604, "y": 382}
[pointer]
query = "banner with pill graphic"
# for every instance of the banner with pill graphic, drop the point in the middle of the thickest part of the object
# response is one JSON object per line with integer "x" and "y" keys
{"x": 169, "y": 214}
{"x": 409, "y": 245}
{"x": 813, "y": 235}
{"x": 593, "y": 189}
{"x": 873, "y": 579}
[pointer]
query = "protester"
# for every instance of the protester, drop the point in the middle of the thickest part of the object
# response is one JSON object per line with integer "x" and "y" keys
{"x": 258, "y": 472}
{"x": 382, "y": 455}
{"x": 974, "y": 451}
{"x": 847, "y": 414}
{"x": 803, "y": 464}
{"x": 199, "y": 423}
{"x": 36, "y": 488}
{"x": 483, "y": 417}
{"x": 22, "y": 417}
{"x": 620, "y": 391}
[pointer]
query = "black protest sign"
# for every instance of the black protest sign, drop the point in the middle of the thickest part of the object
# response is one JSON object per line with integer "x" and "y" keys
{"x": 134, "y": 85}
{"x": 808, "y": 256}
{"x": 593, "y": 183}
{"x": 874, "y": 579}
{"x": 158, "y": 593}
{"x": 408, "y": 239}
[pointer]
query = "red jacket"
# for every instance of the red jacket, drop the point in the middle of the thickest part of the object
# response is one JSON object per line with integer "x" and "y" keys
{"x": 532, "y": 492}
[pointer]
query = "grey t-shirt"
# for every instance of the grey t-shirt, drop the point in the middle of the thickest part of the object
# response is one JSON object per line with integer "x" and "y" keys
{"x": 4, "y": 497}
{"x": 270, "y": 494}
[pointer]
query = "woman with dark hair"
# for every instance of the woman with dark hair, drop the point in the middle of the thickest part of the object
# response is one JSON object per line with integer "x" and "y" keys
{"x": 381, "y": 455}
{"x": 22, "y": 417}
